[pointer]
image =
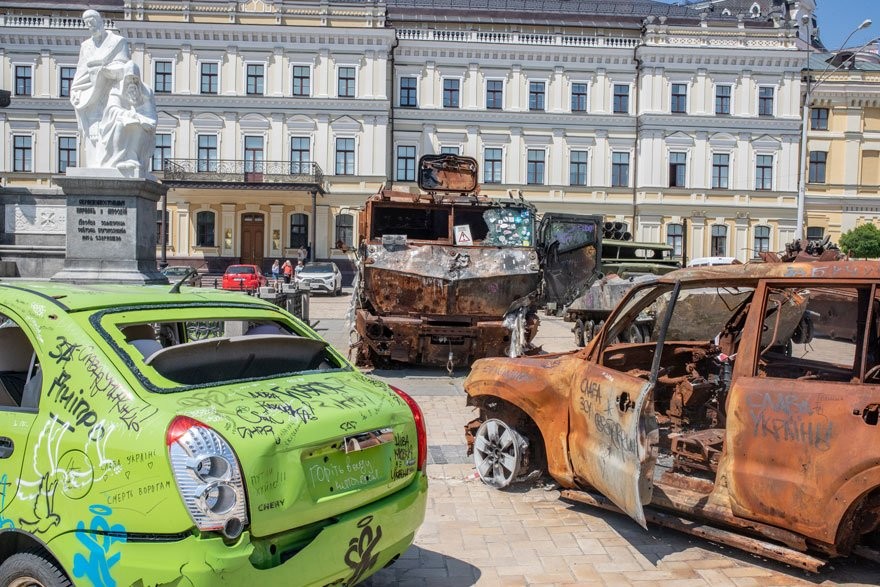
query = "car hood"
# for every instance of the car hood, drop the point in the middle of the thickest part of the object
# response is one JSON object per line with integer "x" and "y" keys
{"x": 290, "y": 435}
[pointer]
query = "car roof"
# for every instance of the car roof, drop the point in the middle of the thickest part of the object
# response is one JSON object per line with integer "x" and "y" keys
{"x": 78, "y": 297}
{"x": 750, "y": 273}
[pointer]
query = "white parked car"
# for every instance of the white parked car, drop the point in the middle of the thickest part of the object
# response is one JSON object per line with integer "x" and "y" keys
{"x": 318, "y": 277}
{"x": 710, "y": 261}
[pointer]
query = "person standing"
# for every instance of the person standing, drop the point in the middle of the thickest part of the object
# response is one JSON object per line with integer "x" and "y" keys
{"x": 287, "y": 270}
{"x": 299, "y": 268}
{"x": 276, "y": 270}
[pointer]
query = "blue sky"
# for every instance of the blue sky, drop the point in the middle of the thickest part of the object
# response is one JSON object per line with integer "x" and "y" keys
{"x": 837, "y": 18}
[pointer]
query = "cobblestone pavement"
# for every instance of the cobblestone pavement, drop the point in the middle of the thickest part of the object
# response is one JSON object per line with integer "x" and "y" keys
{"x": 475, "y": 535}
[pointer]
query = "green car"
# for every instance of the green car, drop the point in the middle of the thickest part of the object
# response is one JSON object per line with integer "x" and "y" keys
{"x": 150, "y": 437}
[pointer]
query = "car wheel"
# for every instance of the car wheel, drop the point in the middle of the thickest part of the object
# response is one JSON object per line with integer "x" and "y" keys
{"x": 31, "y": 569}
{"x": 338, "y": 291}
{"x": 578, "y": 330}
{"x": 499, "y": 453}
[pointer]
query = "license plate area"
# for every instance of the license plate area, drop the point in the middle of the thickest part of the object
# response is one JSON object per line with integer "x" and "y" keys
{"x": 349, "y": 465}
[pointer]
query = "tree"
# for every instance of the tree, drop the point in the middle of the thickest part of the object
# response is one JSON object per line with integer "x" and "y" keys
{"x": 862, "y": 242}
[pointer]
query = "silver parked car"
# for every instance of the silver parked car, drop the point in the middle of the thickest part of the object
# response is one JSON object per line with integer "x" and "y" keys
{"x": 320, "y": 277}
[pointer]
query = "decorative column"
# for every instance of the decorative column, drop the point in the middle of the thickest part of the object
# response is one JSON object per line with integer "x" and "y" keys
{"x": 697, "y": 238}
{"x": 741, "y": 248}
{"x": 227, "y": 230}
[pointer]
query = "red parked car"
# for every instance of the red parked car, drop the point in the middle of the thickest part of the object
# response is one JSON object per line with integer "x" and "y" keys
{"x": 243, "y": 278}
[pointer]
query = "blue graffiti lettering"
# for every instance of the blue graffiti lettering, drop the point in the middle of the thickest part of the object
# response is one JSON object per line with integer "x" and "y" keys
{"x": 4, "y": 522}
{"x": 98, "y": 540}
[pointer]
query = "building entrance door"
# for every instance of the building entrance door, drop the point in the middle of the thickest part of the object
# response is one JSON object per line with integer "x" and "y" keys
{"x": 252, "y": 230}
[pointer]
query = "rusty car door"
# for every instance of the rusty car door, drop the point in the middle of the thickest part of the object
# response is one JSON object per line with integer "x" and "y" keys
{"x": 570, "y": 247}
{"x": 613, "y": 430}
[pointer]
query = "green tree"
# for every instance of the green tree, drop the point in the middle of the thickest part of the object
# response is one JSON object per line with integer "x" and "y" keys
{"x": 862, "y": 242}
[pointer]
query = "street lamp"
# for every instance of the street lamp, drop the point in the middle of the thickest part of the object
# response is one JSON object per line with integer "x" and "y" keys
{"x": 808, "y": 98}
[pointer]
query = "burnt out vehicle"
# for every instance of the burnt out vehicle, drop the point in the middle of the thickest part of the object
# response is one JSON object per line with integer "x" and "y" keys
{"x": 448, "y": 276}
{"x": 713, "y": 424}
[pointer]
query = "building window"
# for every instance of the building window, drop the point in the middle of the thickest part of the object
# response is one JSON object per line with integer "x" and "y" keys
{"x": 300, "y": 155}
{"x": 764, "y": 172}
{"x": 344, "y": 230}
{"x": 23, "y": 80}
{"x": 578, "y": 97}
{"x": 302, "y": 80}
{"x": 66, "y": 78}
{"x": 815, "y": 233}
{"x": 162, "y": 151}
{"x": 22, "y": 159}
{"x": 722, "y": 99}
{"x": 207, "y": 160}
{"x": 162, "y": 77}
{"x": 66, "y": 153}
{"x": 720, "y": 170}
{"x": 345, "y": 83}
{"x": 450, "y": 151}
{"x": 762, "y": 240}
{"x": 535, "y": 167}
{"x": 210, "y": 77}
{"x": 253, "y": 155}
{"x": 255, "y": 79}
{"x": 159, "y": 240}
{"x": 492, "y": 165}
{"x": 494, "y": 94}
{"x": 577, "y": 168}
{"x": 205, "y": 229}
{"x": 406, "y": 163}
{"x": 817, "y": 166}
{"x": 450, "y": 93}
{"x": 344, "y": 156}
{"x": 536, "y": 95}
{"x": 408, "y": 98}
{"x": 675, "y": 238}
{"x": 621, "y": 99}
{"x": 819, "y": 118}
{"x": 677, "y": 169}
{"x": 619, "y": 169}
{"x": 719, "y": 240}
{"x": 678, "y": 102}
{"x": 765, "y": 101}
{"x": 299, "y": 231}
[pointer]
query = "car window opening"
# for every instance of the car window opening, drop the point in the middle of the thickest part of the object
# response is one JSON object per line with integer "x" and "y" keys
{"x": 20, "y": 377}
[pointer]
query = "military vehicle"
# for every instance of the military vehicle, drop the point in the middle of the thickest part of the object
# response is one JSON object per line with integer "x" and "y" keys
{"x": 447, "y": 276}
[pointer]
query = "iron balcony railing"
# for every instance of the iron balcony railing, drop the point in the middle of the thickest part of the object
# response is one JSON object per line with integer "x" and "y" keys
{"x": 242, "y": 171}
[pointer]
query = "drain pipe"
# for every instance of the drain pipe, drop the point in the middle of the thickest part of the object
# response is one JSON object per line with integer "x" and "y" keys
{"x": 389, "y": 161}
{"x": 635, "y": 183}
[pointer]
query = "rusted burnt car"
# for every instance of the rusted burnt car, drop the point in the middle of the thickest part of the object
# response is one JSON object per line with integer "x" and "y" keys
{"x": 717, "y": 423}
{"x": 448, "y": 276}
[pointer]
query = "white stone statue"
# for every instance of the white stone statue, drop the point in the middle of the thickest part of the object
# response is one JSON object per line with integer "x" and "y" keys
{"x": 115, "y": 112}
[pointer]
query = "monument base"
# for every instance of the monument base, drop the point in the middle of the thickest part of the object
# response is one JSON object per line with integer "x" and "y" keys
{"x": 111, "y": 229}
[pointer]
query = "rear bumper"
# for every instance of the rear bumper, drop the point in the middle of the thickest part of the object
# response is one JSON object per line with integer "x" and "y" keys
{"x": 356, "y": 545}
{"x": 427, "y": 342}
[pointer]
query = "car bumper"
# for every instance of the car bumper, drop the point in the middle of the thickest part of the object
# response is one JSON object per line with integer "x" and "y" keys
{"x": 318, "y": 287}
{"x": 358, "y": 544}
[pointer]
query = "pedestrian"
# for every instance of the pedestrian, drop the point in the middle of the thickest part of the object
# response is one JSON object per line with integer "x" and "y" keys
{"x": 299, "y": 268}
{"x": 276, "y": 270}
{"x": 301, "y": 253}
{"x": 287, "y": 270}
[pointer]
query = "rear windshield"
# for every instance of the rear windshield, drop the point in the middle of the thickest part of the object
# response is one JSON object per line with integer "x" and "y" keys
{"x": 318, "y": 268}
{"x": 239, "y": 270}
{"x": 214, "y": 346}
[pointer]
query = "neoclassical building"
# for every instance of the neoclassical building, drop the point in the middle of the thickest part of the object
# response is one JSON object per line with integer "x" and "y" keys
{"x": 279, "y": 117}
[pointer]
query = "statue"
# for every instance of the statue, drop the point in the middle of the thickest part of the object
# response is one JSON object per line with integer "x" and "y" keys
{"x": 115, "y": 112}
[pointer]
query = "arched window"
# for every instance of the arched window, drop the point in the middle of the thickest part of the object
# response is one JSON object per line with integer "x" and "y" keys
{"x": 205, "y": 229}
{"x": 299, "y": 231}
{"x": 344, "y": 230}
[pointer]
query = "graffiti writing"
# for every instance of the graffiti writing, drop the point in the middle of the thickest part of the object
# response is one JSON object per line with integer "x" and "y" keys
{"x": 266, "y": 481}
{"x": 4, "y": 521}
{"x": 616, "y": 435}
{"x": 98, "y": 541}
{"x": 359, "y": 557}
{"x": 342, "y": 477}
{"x": 71, "y": 401}
{"x": 404, "y": 458}
{"x": 789, "y": 418}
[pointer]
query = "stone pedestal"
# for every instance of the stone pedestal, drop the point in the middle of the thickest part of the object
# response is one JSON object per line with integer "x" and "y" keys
{"x": 111, "y": 229}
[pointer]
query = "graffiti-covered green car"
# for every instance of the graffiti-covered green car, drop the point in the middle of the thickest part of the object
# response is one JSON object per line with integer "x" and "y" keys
{"x": 200, "y": 438}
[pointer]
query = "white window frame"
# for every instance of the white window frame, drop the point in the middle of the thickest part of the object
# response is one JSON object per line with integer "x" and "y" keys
{"x": 166, "y": 131}
{"x": 15, "y": 81}
{"x": 731, "y": 166}
{"x": 337, "y": 67}
{"x": 58, "y": 137}
{"x": 589, "y": 95}
{"x": 504, "y": 170}
{"x": 773, "y": 169}
{"x": 542, "y": 80}
{"x": 485, "y": 94}
{"x": 311, "y": 68}
{"x": 545, "y": 180}
{"x": 629, "y": 101}
{"x": 687, "y": 166}
{"x": 460, "y": 92}
{"x": 219, "y": 64}
{"x": 568, "y": 165}
{"x": 356, "y": 158}
{"x": 244, "y": 77}
{"x": 173, "y": 76}
{"x": 687, "y": 96}
{"x": 456, "y": 147}
{"x": 775, "y": 88}
{"x": 416, "y": 77}
{"x": 629, "y": 167}
{"x": 11, "y": 143}
{"x": 415, "y": 146}
{"x": 289, "y": 217}
{"x": 60, "y": 66}
{"x": 732, "y": 87}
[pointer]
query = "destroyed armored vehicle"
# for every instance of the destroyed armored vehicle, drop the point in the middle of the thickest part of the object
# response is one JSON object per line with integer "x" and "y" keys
{"x": 448, "y": 276}
{"x": 713, "y": 424}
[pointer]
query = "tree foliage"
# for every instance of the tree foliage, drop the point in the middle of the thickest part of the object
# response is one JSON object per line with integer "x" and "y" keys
{"x": 862, "y": 242}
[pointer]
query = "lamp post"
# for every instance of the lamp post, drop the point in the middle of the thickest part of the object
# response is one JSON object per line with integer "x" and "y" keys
{"x": 805, "y": 120}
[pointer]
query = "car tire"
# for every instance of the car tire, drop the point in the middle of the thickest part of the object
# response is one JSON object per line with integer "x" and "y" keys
{"x": 338, "y": 292}
{"x": 579, "y": 339}
{"x": 500, "y": 453}
{"x": 28, "y": 569}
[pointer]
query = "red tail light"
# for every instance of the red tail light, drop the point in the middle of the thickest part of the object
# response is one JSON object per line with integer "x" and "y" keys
{"x": 421, "y": 431}
{"x": 178, "y": 428}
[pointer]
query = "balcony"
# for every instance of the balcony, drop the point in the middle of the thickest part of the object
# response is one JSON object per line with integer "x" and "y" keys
{"x": 238, "y": 173}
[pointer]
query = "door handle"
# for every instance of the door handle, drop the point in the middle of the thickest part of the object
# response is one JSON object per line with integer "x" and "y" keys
{"x": 6, "y": 447}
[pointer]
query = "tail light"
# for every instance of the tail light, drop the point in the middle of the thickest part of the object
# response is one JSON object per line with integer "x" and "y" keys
{"x": 421, "y": 432}
{"x": 208, "y": 477}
